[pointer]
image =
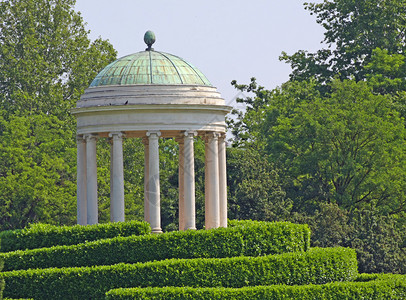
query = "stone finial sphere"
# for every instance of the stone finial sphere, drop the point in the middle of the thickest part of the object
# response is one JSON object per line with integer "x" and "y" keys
{"x": 149, "y": 38}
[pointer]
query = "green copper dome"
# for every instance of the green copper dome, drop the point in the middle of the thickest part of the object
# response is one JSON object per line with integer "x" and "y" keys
{"x": 150, "y": 67}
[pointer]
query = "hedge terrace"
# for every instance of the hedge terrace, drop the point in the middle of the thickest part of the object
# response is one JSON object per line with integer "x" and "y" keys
{"x": 383, "y": 288}
{"x": 244, "y": 239}
{"x": 44, "y": 235}
{"x": 316, "y": 266}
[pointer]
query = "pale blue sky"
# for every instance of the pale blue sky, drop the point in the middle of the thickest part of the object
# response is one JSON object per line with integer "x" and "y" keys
{"x": 226, "y": 40}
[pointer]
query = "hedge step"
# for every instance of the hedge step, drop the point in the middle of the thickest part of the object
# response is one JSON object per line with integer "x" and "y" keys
{"x": 316, "y": 266}
{"x": 383, "y": 288}
{"x": 245, "y": 238}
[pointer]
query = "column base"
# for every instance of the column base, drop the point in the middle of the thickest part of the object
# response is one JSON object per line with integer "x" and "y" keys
{"x": 156, "y": 230}
{"x": 190, "y": 229}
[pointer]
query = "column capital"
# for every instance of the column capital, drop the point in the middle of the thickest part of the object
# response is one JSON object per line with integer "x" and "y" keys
{"x": 116, "y": 135}
{"x": 212, "y": 135}
{"x": 222, "y": 135}
{"x": 153, "y": 133}
{"x": 90, "y": 136}
{"x": 190, "y": 133}
{"x": 80, "y": 138}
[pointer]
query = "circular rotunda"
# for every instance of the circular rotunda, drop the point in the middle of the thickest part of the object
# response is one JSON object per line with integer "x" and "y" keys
{"x": 151, "y": 95}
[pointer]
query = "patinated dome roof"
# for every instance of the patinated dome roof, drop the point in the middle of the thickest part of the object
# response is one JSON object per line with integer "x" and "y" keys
{"x": 148, "y": 91}
{"x": 150, "y": 67}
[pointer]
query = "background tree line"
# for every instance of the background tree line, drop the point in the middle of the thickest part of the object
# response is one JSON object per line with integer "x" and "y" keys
{"x": 326, "y": 148}
{"x": 335, "y": 132}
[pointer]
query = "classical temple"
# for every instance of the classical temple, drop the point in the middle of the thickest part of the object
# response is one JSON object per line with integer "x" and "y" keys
{"x": 151, "y": 95}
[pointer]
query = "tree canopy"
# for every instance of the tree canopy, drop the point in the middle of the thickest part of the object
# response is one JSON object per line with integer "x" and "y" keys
{"x": 46, "y": 57}
{"x": 335, "y": 132}
{"x": 46, "y": 62}
{"x": 37, "y": 171}
{"x": 354, "y": 29}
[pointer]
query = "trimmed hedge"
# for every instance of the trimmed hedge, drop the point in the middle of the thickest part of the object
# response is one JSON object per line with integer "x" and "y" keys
{"x": 315, "y": 266}
{"x": 45, "y": 235}
{"x": 388, "y": 287}
{"x": 1, "y": 280}
{"x": 246, "y": 239}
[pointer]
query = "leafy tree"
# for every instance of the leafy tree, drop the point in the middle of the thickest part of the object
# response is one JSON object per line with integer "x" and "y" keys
{"x": 346, "y": 148}
{"x": 37, "y": 171}
{"x": 46, "y": 62}
{"x": 133, "y": 151}
{"x": 254, "y": 188}
{"x": 353, "y": 30}
{"x": 168, "y": 160}
{"x": 387, "y": 72}
{"x": 246, "y": 126}
{"x": 336, "y": 132}
{"x": 340, "y": 158}
{"x": 387, "y": 75}
{"x": 46, "y": 57}
{"x": 379, "y": 240}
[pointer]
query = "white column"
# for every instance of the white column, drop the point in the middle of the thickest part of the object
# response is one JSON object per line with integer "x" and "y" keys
{"x": 81, "y": 181}
{"x": 212, "y": 198}
{"x": 117, "y": 178}
{"x": 206, "y": 181}
{"x": 189, "y": 181}
{"x": 91, "y": 179}
{"x": 111, "y": 179}
{"x": 153, "y": 183}
{"x": 181, "y": 180}
{"x": 145, "y": 141}
{"x": 223, "y": 180}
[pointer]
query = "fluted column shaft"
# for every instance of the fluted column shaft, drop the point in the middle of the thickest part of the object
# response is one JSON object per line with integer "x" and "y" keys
{"x": 181, "y": 180}
{"x": 117, "y": 178}
{"x": 212, "y": 191}
{"x": 145, "y": 141}
{"x": 111, "y": 179}
{"x": 91, "y": 179}
{"x": 222, "y": 180}
{"x": 189, "y": 181}
{"x": 153, "y": 183}
{"x": 81, "y": 181}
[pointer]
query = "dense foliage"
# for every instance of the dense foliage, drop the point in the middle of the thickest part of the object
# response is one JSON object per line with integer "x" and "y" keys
{"x": 1, "y": 281}
{"x": 354, "y": 29}
{"x": 46, "y": 57}
{"x": 382, "y": 288}
{"x": 334, "y": 136}
{"x": 344, "y": 148}
{"x": 46, "y": 62}
{"x": 315, "y": 266}
{"x": 37, "y": 171}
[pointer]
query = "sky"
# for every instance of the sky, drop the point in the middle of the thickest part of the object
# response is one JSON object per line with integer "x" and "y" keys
{"x": 226, "y": 40}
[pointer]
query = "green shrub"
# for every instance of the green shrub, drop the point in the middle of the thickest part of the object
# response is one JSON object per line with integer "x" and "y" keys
{"x": 315, "y": 266}
{"x": 390, "y": 287}
{"x": 44, "y": 235}
{"x": 246, "y": 239}
{"x": 1, "y": 280}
